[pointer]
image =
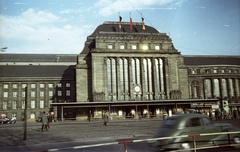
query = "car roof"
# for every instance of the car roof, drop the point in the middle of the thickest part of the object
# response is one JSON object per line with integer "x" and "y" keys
{"x": 188, "y": 116}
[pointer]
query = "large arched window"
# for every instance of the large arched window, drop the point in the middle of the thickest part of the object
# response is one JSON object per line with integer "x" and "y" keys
{"x": 195, "y": 89}
{"x": 124, "y": 74}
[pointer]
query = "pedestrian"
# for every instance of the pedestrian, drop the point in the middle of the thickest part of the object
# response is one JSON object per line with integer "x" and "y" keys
{"x": 235, "y": 114}
{"x": 216, "y": 114}
{"x": 44, "y": 121}
{"x": 105, "y": 119}
{"x": 210, "y": 115}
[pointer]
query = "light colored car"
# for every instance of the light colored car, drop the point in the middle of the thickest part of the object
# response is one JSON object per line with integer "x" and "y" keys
{"x": 189, "y": 124}
{"x": 7, "y": 121}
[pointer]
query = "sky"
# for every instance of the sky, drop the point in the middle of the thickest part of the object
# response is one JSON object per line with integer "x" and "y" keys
{"x": 196, "y": 27}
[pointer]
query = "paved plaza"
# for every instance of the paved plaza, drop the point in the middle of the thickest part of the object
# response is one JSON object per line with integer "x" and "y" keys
{"x": 12, "y": 134}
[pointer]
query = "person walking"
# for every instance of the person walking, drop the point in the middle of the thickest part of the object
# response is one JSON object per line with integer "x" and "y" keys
{"x": 105, "y": 119}
{"x": 210, "y": 115}
{"x": 44, "y": 121}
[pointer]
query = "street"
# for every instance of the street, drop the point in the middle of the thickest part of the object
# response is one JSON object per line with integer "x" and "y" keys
{"x": 73, "y": 135}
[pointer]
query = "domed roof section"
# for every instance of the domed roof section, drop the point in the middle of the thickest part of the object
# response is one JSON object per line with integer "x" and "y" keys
{"x": 114, "y": 27}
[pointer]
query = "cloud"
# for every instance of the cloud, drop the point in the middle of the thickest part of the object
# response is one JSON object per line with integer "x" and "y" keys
{"x": 35, "y": 31}
{"x": 108, "y": 7}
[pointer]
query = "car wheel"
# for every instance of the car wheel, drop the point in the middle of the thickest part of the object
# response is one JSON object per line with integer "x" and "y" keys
{"x": 236, "y": 140}
{"x": 187, "y": 146}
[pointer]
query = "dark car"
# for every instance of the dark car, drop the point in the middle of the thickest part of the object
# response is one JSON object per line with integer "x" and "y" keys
{"x": 7, "y": 121}
{"x": 193, "y": 124}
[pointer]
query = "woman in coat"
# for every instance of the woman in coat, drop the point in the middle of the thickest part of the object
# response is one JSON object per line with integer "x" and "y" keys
{"x": 105, "y": 119}
{"x": 44, "y": 121}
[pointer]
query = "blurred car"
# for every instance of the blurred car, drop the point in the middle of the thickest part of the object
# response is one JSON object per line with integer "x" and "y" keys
{"x": 7, "y": 121}
{"x": 190, "y": 124}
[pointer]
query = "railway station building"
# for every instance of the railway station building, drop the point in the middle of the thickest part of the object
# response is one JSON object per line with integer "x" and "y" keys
{"x": 128, "y": 72}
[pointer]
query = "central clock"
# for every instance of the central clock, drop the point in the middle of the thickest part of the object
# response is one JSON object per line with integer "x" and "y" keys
{"x": 137, "y": 89}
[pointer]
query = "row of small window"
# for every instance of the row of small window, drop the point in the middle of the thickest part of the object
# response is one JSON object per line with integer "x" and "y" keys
{"x": 33, "y": 93}
{"x": 133, "y": 46}
{"x": 33, "y": 85}
{"x": 32, "y": 104}
{"x": 207, "y": 71}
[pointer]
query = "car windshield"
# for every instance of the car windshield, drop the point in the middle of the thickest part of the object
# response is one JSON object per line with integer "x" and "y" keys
{"x": 169, "y": 123}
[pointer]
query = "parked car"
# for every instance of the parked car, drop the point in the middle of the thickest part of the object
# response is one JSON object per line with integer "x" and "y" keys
{"x": 187, "y": 124}
{"x": 7, "y": 121}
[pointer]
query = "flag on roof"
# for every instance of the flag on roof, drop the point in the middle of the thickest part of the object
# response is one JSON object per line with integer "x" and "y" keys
{"x": 130, "y": 23}
{"x": 120, "y": 22}
{"x": 143, "y": 25}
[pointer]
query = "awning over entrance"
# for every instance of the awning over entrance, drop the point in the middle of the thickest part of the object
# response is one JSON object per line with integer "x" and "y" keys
{"x": 130, "y": 103}
{"x": 134, "y": 103}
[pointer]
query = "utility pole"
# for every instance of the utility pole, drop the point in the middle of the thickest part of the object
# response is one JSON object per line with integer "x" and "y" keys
{"x": 25, "y": 116}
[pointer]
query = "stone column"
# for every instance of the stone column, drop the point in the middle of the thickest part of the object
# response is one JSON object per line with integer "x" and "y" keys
{"x": 119, "y": 93}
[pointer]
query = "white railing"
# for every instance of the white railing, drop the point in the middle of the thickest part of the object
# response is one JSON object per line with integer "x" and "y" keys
{"x": 193, "y": 136}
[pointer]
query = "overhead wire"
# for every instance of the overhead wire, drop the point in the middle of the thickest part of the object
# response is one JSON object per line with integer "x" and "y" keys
{"x": 174, "y": 20}
{"x": 139, "y": 13}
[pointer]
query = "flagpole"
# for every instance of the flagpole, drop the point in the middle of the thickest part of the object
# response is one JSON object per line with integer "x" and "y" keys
{"x": 120, "y": 21}
{"x": 131, "y": 24}
{"x": 143, "y": 24}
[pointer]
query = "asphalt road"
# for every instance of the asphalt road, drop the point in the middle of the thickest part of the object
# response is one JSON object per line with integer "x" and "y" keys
{"x": 73, "y": 135}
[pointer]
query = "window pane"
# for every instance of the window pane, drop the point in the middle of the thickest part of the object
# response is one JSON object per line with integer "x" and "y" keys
{"x": 5, "y": 86}
{"x": 194, "y": 122}
{"x": 68, "y": 84}
{"x": 50, "y": 85}
{"x": 42, "y": 85}
{"x": 33, "y": 85}
{"x": 122, "y": 46}
{"x": 32, "y": 93}
{"x": 50, "y": 93}
{"x": 4, "y": 105}
{"x": 32, "y": 115}
{"x": 134, "y": 47}
{"x": 41, "y": 103}
{"x": 14, "y": 105}
{"x": 23, "y": 94}
{"x": 59, "y": 93}
{"x": 41, "y": 93}
{"x": 23, "y": 104}
{"x": 110, "y": 46}
{"x": 24, "y": 85}
{"x": 14, "y": 94}
{"x": 15, "y": 86}
{"x": 157, "y": 47}
{"x": 5, "y": 94}
{"x": 33, "y": 104}
{"x": 67, "y": 92}
{"x": 59, "y": 85}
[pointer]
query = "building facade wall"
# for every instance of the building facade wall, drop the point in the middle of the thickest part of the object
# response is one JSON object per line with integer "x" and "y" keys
{"x": 113, "y": 67}
{"x": 121, "y": 61}
{"x": 39, "y": 96}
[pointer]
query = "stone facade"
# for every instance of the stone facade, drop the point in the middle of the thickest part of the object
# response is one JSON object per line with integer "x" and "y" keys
{"x": 122, "y": 45}
{"x": 117, "y": 66}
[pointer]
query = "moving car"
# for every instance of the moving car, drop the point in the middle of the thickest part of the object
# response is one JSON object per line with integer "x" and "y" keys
{"x": 190, "y": 124}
